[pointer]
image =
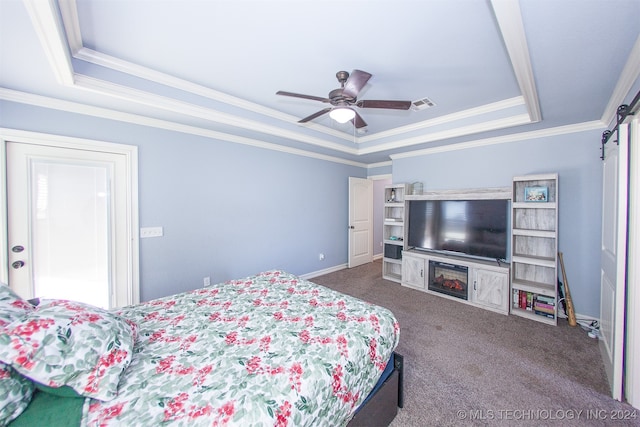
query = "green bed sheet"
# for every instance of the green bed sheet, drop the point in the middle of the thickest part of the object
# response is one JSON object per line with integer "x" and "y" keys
{"x": 49, "y": 410}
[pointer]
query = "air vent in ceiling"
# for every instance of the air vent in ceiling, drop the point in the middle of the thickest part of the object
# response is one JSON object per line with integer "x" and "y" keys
{"x": 422, "y": 104}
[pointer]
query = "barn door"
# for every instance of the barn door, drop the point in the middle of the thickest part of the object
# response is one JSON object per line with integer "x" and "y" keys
{"x": 632, "y": 320}
{"x": 613, "y": 258}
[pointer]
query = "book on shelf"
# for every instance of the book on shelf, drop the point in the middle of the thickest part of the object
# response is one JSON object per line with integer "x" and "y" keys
{"x": 542, "y": 313}
{"x": 541, "y": 305}
{"x": 546, "y": 299}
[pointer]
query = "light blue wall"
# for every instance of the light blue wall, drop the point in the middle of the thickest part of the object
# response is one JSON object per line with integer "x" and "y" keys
{"x": 228, "y": 210}
{"x": 385, "y": 169}
{"x": 575, "y": 157}
{"x": 378, "y": 214}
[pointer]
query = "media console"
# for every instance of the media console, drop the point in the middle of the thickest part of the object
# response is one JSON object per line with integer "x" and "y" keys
{"x": 470, "y": 280}
{"x": 480, "y": 283}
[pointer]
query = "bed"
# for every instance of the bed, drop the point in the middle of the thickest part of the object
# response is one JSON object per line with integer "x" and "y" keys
{"x": 268, "y": 350}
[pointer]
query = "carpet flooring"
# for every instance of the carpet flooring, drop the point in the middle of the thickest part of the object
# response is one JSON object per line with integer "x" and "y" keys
{"x": 466, "y": 366}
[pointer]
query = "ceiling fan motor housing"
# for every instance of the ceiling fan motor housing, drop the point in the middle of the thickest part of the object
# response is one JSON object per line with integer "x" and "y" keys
{"x": 337, "y": 98}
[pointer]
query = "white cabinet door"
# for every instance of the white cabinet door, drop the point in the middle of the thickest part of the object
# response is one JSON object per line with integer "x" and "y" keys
{"x": 491, "y": 289}
{"x": 413, "y": 271}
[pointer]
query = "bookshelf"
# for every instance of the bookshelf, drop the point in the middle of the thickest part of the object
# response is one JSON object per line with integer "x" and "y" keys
{"x": 393, "y": 231}
{"x": 534, "y": 247}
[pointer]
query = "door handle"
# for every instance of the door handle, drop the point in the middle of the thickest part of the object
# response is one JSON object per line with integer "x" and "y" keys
{"x": 351, "y": 227}
{"x": 17, "y": 264}
{"x": 17, "y": 249}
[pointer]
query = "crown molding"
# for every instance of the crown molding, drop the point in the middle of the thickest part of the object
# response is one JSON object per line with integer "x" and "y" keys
{"x": 379, "y": 164}
{"x": 515, "y": 137}
{"x": 180, "y": 84}
{"x": 158, "y": 77}
{"x": 516, "y": 120}
{"x": 43, "y": 14}
{"x": 509, "y": 17}
{"x": 78, "y": 108}
{"x": 159, "y": 102}
{"x": 179, "y": 107}
{"x": 380, "y": 177}
{"x": 74, "y": 107}
{"x": 69, "y": 13}
{"x": 630, "y": 73}
{"x": 448, "y": 118}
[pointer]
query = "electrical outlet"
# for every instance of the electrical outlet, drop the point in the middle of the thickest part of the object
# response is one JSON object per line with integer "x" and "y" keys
{"x": 321, "y": 257}
{"x": 207, "y": 281}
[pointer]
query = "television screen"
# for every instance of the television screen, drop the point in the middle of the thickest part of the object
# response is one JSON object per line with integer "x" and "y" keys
{"x": 470, "y": 227}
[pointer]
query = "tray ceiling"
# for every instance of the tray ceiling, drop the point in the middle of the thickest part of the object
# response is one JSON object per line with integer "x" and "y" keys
{"x": 492, "y": 68}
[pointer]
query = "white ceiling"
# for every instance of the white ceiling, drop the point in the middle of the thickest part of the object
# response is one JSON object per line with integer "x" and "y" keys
{"x": 493, "y": 67}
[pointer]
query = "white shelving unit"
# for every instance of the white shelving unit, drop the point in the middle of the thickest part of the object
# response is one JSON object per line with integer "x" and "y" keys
{"x": 393, "y": 231}
{"x": 534, "y": 248}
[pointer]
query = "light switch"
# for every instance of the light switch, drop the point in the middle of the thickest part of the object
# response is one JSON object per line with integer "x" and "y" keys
{"x": 150, "y": 232}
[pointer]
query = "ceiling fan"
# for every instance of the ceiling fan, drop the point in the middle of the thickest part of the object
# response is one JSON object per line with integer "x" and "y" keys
{"x": 343, "y": 100}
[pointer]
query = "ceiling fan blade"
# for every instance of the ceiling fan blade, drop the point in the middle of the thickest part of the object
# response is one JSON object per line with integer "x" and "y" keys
{"x": 358, "y": 121}
{"x": 299, "y": 95}
{"x": 315, "y": 115}
{"x": 393, "y": 105}
{"x": 354, "y": 84}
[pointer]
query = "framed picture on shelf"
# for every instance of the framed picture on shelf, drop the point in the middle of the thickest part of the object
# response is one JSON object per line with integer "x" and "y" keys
{"x": 536, "y": 194}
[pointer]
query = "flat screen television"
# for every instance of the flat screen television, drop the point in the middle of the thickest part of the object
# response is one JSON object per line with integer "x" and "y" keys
{"x": 475, "y": 228}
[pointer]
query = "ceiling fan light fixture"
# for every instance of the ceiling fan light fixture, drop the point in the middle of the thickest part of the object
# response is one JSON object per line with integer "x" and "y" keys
{"x": 342, "y": 114}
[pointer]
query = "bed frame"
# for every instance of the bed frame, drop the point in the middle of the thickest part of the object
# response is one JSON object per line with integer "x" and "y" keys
{"x": 382, "y": 406}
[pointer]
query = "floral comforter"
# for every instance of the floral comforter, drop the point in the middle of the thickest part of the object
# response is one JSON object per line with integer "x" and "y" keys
{"x": 267, "y": 350}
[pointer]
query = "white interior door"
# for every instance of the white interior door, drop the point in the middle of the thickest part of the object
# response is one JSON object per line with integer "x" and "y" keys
{"x": 613, "y": 259}
{"x": 360, "y": 221}
{"x": 69, "y": 232}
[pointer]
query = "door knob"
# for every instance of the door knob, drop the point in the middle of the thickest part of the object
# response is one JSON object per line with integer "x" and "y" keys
{"x": 17, "y": 264}
{"x": 351, "y": 227}
{"x": 17, "y": 249}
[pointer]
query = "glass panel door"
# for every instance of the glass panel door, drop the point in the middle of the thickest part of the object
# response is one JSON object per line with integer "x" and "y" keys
{"x": 70, "y": 217}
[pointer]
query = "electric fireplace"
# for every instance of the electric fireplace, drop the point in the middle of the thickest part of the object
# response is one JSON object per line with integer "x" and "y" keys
{"x": 449, "y": 279}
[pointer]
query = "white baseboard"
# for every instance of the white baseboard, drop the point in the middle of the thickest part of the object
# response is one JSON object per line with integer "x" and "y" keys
{"x": 331, "y": 269}
{"x": 324, "y": 271}
{"x": 579, "y": 316}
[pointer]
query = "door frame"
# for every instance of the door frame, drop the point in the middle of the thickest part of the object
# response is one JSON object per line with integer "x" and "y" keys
{"x": 131, "y": 154}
